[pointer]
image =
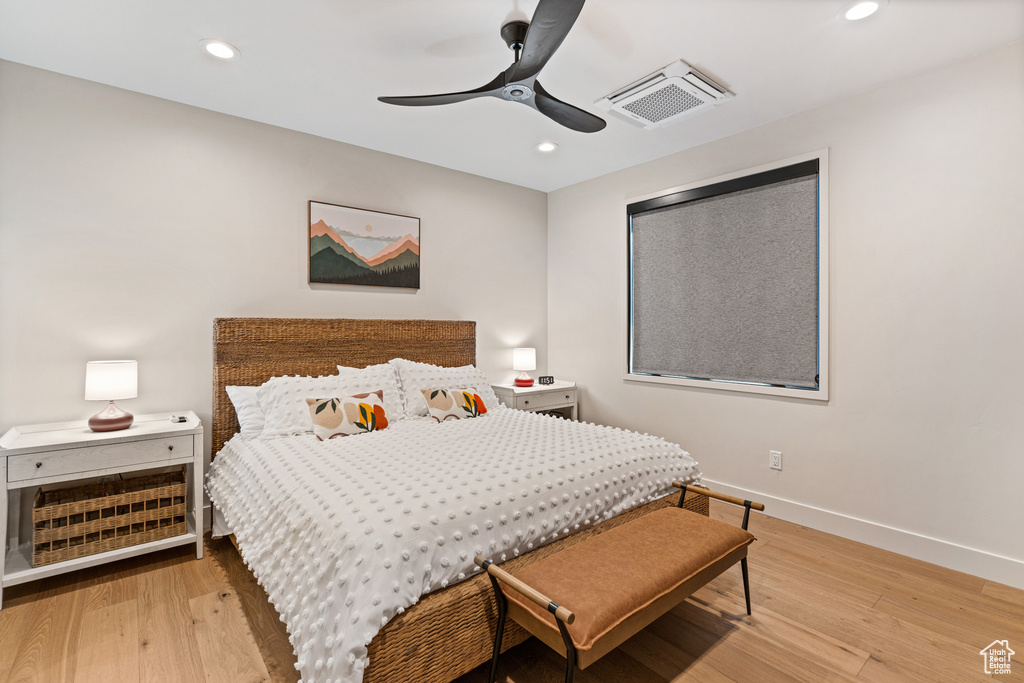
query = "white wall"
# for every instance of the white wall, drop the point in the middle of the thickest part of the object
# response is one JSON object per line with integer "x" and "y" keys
{"x": 921, "y": 448}
{"x": 128, "y": 223}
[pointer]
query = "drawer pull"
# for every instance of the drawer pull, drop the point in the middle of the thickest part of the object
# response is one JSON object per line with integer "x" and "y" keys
{"x": 567, "y": 397}
{"x": 38, "y": 465}
{"x": 170, "y": 448}
{"x": 527, "y": 403}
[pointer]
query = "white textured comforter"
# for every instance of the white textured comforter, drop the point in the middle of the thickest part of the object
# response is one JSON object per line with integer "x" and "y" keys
{"x": 346, "y": 534}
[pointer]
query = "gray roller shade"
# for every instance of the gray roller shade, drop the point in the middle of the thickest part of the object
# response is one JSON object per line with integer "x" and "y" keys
{"x": 726, "y": 287}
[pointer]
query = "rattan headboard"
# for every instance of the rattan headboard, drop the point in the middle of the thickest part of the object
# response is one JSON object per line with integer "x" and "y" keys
{"x": 249, "y": 351}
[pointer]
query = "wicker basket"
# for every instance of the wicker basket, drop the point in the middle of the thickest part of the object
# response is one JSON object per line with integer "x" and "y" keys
{"x": 85, "y": 520}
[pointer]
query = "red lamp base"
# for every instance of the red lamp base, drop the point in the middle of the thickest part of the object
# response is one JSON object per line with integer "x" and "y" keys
{"x": 111, "y": 419}
{"x": 523, "y": 380}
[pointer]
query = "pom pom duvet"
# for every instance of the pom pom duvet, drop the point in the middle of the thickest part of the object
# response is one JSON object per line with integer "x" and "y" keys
{"x": 346, "y": 534}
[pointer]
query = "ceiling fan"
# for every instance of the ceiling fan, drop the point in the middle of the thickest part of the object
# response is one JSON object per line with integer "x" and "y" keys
{"x": 533, "y": 44}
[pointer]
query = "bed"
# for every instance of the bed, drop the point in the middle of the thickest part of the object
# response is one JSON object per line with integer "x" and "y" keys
{"x": 450, "y": 630}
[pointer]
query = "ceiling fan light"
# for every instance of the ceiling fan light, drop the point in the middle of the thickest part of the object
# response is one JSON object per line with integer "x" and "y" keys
{"x": 220, "y": 49}
{"x": 547, "y": 147}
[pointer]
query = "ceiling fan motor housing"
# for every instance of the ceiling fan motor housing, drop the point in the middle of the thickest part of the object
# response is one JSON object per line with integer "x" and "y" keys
{"x": 514, "y": 33}
{"x": 517, "y": 92}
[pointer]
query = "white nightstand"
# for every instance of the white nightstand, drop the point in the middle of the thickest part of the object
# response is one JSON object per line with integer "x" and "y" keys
{"x": 37, "y": 455}
{"x": 539, "y": 396}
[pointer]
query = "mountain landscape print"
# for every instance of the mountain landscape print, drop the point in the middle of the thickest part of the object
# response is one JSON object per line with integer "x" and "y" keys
{"x": 350, "y": 246}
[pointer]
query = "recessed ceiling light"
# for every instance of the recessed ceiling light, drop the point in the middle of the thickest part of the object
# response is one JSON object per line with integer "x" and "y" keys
{"x": 218, "y": 48}
{"x": 862, "y": 9}
{"x": 547, "y": 147}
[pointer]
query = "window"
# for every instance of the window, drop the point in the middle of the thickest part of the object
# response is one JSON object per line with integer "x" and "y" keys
{"x": 728, "y": 282}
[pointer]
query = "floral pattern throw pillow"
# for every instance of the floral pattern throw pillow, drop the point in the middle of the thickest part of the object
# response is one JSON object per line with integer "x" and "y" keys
{"x": 453, "y": 404}
{"x": 358, "y": 414}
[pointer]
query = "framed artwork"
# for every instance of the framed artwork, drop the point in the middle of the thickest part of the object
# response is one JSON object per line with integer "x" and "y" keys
{"x": 350, "y": 246}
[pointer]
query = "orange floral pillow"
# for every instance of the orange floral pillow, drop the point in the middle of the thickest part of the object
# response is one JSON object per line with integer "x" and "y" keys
{"x": 358, "y": 414}
{"x": 454, "y": 404}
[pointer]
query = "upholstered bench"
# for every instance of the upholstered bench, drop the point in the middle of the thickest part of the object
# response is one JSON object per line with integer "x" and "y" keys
{"x": 614, "y": 584}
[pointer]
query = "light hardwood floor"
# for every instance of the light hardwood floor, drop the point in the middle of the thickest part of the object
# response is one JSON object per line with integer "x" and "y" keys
{"x": 825, "y": 609}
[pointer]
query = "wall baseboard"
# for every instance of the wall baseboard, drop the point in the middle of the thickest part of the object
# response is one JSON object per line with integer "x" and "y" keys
{"x": 943, "y": 553}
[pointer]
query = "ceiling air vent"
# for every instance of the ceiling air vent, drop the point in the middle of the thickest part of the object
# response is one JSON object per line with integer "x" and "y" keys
{"x": 665, "y": 96}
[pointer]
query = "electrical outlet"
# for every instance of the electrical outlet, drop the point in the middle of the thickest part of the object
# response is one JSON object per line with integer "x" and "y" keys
{"x": 775, "y": 460}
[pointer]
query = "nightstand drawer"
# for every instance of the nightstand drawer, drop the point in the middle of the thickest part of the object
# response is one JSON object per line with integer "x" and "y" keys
{"x": 548, "y": 399}
{"x": 23, "y": 468}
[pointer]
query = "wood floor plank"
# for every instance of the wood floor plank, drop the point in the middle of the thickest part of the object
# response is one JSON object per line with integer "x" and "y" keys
{"x": 202, "y": 578}
{"x": 867, "y": 627}
{"x": 14, "y": 620}
{"x": 776, "y": 566}
{"x": 168, "y": 649}
{"x": 713, "y": 648}
{"x": 778, "y": 637}
{"x": 890, "y": 580}
{"x": 669, "y": 661}
{"x": 970, "y": 626}
{"x": 740, "y": 633}
{"x": 962, "y": 659}
{"x": 1003, "y": 593}
{"x": 117, "y": 586}
{"x": 888, "y": 639}
{"x": 263, "y": 620}
{"x": 617, "y": 665}
{"x": 108, "y": 645}
{"x": 824, "y": 609}
{"x": 226, "y": 646}
{"x": 878, "y": 671}
{"x": 47, "y": 651}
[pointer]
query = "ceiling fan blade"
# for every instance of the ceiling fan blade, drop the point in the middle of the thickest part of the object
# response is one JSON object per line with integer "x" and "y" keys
{"x": 565, "y": 114}
{"x": 492, "y": 88}
{"x": 550, "y": 25}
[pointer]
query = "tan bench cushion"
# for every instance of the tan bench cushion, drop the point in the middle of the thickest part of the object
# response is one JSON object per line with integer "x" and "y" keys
{"x": 619, "y": 581}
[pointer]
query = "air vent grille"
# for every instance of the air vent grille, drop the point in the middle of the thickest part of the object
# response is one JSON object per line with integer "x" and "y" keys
{"x": 661, "y": 104}
{"x": 664, "y": 97}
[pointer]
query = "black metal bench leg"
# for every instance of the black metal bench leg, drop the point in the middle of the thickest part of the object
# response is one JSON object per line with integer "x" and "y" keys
{"x": 746, "y": 583}
{"x": 570, "y": 652}
{"x": 500, "y": 631}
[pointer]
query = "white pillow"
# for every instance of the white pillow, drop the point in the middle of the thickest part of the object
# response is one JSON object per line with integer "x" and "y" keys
{"x": 415, "y": 377}
{"x": 247, "y": 409}
{"x": 353, "y": 381}
{"x": 283, "y": 401}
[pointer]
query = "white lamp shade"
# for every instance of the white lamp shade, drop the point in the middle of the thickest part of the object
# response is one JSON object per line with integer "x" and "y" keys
{"x": 111, "y": 380}
{"x": 524, "y": 359}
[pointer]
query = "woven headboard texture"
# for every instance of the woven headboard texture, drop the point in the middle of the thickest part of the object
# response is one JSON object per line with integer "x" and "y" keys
{"x": 249, "y": 351}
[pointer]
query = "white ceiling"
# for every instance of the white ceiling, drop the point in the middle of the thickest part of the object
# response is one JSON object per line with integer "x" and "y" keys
{"x": 317, "y": 66}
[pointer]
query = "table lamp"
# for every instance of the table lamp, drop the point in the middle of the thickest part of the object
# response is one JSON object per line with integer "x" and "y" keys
{"x": 524, "y": 359}
{"x": 111, "y": 380}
